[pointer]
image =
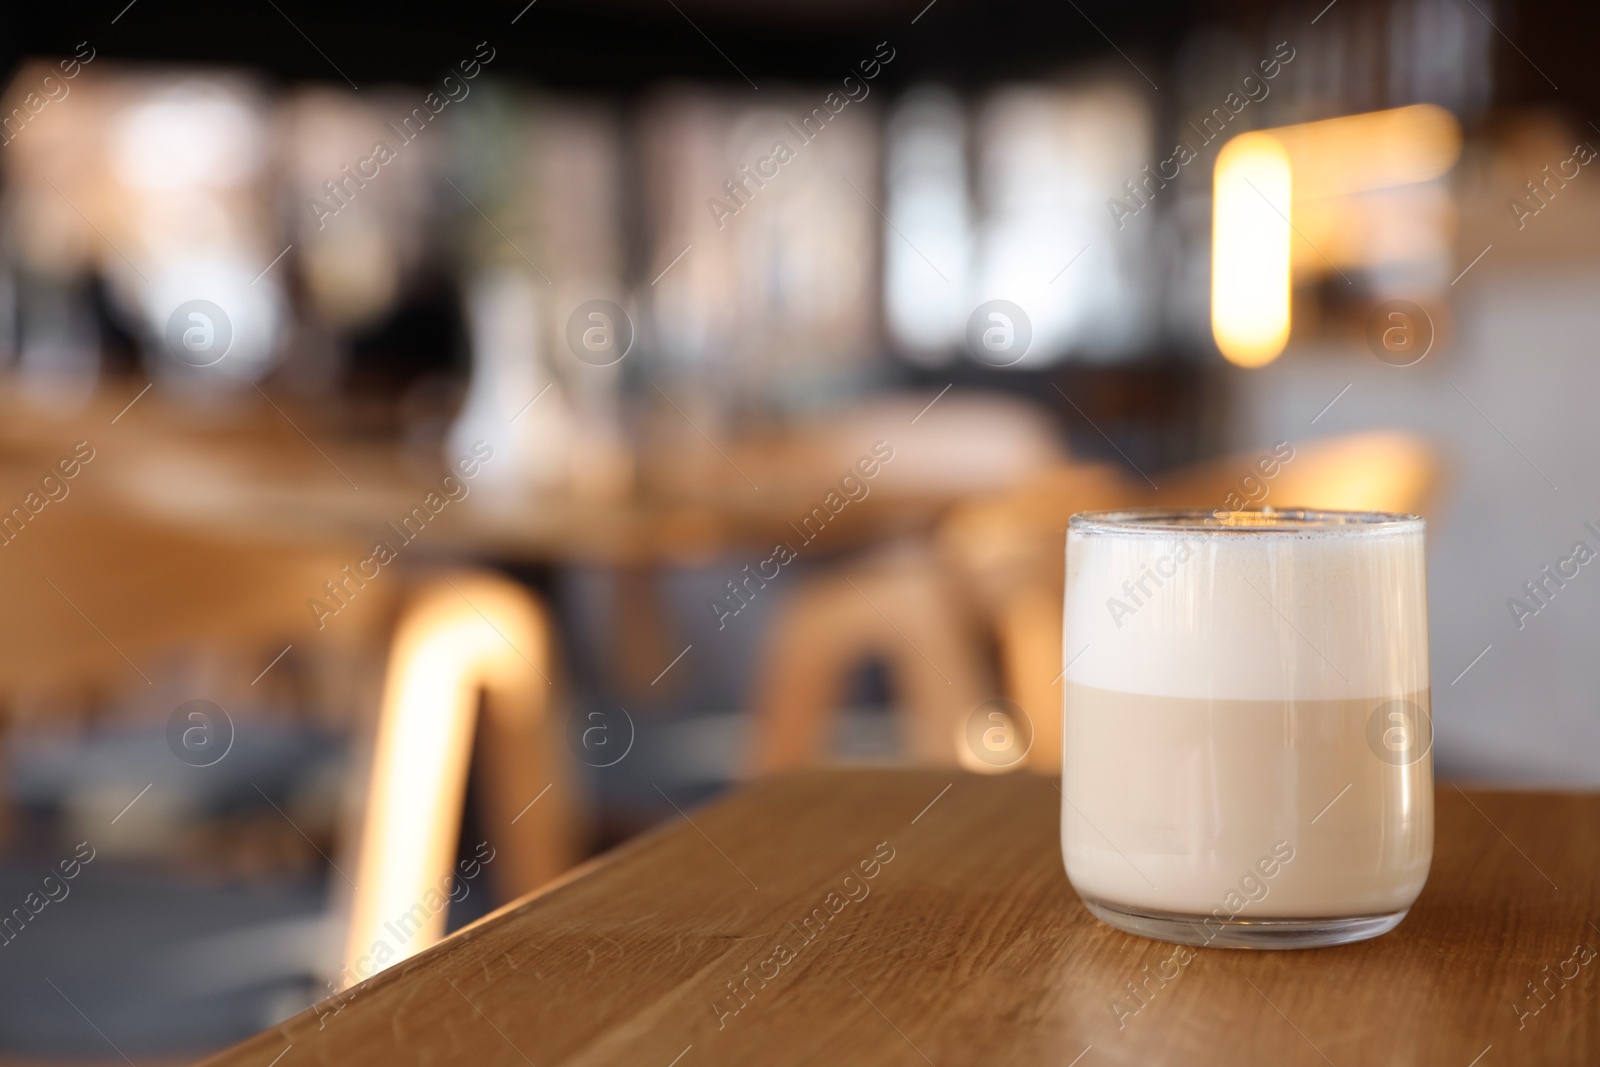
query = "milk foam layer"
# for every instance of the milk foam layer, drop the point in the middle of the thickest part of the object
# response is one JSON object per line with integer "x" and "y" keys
{"x": 1331, "y": 613}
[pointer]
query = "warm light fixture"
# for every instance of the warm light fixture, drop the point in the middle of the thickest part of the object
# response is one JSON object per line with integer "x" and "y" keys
{"x": 1250, "y": 250}
{"x": 1373, "y": 150}
{"x": 1338, "y": 180}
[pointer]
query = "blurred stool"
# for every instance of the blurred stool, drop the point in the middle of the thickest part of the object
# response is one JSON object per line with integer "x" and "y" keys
{"x": 459, "y": 636}
{"x": 903, "y": 605}
{"x": 1009, "y": 551}
{"x": 896, "y": 607}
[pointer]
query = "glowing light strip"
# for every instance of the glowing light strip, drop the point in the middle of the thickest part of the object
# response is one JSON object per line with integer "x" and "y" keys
{"x": 1250, "y": 250}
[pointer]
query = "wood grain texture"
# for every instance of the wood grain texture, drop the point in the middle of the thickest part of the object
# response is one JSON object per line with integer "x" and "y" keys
{"x": 969, "y": 947}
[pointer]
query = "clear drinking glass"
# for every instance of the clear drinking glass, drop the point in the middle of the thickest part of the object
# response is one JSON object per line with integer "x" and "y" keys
{"x": 1247, "y": 738}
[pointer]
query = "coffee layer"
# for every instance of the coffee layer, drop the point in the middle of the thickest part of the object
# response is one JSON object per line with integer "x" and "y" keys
{"x": 1171, "y": 804}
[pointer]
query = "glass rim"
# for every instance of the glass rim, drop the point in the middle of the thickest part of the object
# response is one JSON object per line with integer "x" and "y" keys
{"x": 1226, "y": 521}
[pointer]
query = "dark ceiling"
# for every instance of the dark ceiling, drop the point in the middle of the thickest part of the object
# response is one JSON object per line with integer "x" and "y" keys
{"x": 621, "y": 45}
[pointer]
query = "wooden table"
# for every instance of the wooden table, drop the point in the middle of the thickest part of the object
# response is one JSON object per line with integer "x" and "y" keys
{"x": 273, "y": 473}
{"x": 968, "y": 946}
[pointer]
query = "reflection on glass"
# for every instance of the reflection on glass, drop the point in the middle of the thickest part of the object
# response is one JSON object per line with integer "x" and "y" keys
{"x": 1048, "y": 158}
{"x": 359, "y": 228}
{"x": 928, "y": 249}
{"x": 762, "y": 221}
{"x": 546, "y": 173}
{"x": 187, "y": 157}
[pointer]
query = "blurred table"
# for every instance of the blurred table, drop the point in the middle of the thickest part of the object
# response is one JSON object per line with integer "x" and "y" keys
{"x": 251, "y": 501}
{"x": 966, "y": 945}
{"x": 262, "y": 469}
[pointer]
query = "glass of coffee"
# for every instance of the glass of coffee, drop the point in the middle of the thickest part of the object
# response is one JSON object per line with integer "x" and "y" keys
{"x": 1247, "y": 739}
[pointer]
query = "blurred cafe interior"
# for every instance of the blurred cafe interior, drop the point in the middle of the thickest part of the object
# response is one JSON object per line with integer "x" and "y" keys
{"x": 458, "y": 439}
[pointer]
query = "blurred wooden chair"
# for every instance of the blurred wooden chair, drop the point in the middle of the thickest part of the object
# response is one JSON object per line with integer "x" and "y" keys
{"x": 994, "y": 578}
{"x": 110, "y": 599}
{"x": 1380, "y": 470}
{"x": 1008, "y": 551}
{"x": 897, "y": 605}
{"x": 460, "y": 637}
{"x": 1010, "y": 548}
{"x": 896, "y": 608}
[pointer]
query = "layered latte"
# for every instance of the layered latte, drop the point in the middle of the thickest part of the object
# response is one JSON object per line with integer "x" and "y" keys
{"x": 1247, "y": 741}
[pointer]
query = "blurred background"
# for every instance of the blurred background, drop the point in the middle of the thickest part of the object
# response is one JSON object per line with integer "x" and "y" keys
{"x": 438, "y": 444}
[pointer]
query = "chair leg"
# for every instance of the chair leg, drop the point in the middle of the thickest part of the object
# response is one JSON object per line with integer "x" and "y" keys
{"x": 527, "y": 783}
{"x": 929, "y": 644}
{"x": 460, "y": 636}
{"x": 798, "y": 688}
{"x": 900, "y": 610}
{"x": 1029, "y": 633}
